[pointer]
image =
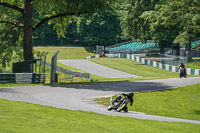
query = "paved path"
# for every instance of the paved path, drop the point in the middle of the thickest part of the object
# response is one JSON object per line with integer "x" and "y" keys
{"x": 81, "y": 96}
{"x": 96, "y": 69}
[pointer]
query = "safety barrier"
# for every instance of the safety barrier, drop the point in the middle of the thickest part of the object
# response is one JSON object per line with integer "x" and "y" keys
{"x": 22, "y": 78}
{"x": 71, "y": 72}
{"x": 161, "y": 65}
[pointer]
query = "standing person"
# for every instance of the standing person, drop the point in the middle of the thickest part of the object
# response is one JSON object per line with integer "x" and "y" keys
{"x": 103, "y": 54}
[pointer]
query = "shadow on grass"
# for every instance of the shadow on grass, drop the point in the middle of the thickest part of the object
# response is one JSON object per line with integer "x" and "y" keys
{"x": 197, "y": 112}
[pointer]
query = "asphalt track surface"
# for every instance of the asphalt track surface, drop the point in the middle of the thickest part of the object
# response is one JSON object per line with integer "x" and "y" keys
{"x": 96, "y": 69}
{"x": 81, "y": 96}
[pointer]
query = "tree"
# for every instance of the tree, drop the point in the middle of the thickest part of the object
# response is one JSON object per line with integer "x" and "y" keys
{"x": 101, "y": 29}
{"x": 159, "y": 29}
{"x": 182, "y": 16}
{"x": 18, "y": 14}
{"x": 133, "y": 26}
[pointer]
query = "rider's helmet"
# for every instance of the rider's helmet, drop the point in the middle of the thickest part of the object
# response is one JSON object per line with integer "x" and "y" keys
{"x": 131, "y": 94}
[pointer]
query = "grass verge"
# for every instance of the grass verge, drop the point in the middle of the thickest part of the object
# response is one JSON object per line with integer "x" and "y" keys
{"x": 8, "y": 85}
{"x": 181, "y": 102}
{"x": 24, "y": 117}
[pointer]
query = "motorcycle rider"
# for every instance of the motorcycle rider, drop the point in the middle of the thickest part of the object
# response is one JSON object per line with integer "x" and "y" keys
{"x": 130, "y": 97}
{"x": 120, "y": 99}
{"x": 182, "y": 70}
{"x": 182, "y": 66}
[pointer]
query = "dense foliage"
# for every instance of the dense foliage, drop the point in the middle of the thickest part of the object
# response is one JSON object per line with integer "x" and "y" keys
{"x": 177, "y": 21}
{"x": 89, "y": 22}
{"x": 26, "y": 16}
{"x": 98, "y": 29}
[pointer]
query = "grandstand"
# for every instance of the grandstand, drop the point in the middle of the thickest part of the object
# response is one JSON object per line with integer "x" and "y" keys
{"x": 131, "y": 47}
{"x": 195, "y": 43}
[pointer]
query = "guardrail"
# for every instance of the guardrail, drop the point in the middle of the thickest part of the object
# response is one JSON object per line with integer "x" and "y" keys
{"x": 22, "y": 78}
{"x": 71, "y": 72}
{"x": 161, "y": 65}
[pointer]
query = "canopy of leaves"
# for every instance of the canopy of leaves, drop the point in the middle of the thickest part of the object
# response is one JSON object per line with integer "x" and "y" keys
{"x": 101, "y": 29}
{"x": 133, "y": 26}
{"x": 56, "y": 12}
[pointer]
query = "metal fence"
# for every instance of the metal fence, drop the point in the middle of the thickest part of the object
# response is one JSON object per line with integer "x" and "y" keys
{"x": 70, "y": 75}
{"x": 173, "y": 60}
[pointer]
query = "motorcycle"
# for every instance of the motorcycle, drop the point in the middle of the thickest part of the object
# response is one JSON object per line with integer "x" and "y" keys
{"x": 120, "y": 103}
{"x": 183, "y": 72}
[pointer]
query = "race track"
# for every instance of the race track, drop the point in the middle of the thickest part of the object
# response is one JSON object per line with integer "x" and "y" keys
{"x": 81, "y": 96}
{"x": 93, "y": 68}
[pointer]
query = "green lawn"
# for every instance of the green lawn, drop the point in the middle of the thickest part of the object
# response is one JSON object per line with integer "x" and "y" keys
{"x": 181, "y": 102}
{"x": 19, "y": 84}
{"x": 29, "y": 118}
{"x": 193, "y": 65}
{"x": 67, "y": 52}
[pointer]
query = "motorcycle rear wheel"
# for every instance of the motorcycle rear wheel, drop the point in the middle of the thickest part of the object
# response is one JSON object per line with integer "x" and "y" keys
{"x": 110, "y": 108}
{"x": 121, "y": 107}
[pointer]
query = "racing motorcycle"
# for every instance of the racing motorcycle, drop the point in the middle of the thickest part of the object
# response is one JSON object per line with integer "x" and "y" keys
{"x": 120, "y": 103}
{"x": 183, "y": 72}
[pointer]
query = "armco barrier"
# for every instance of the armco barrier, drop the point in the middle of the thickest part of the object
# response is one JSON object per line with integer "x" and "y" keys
{"x": 22, "y": 78}
{"x": 161, "y": 66}
{"x": 71, "y": 72}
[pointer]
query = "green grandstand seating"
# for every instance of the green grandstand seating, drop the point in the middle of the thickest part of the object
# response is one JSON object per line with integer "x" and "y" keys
{"x": 133, "y": 46}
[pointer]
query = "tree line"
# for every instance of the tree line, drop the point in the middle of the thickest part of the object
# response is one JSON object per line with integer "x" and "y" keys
{"x": 99, "y": 22}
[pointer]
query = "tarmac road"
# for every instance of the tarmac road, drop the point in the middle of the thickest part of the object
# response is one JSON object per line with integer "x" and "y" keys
{"x": 96, "y": 69}
{"x": 81, "y": 96}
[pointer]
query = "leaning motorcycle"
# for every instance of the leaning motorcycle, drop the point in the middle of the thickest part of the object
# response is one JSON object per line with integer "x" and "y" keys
{"x": 120, "y": 103}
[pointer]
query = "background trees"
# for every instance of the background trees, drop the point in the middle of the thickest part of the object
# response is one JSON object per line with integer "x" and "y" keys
{"x": 173, "y": 21}
{"x": 19, "y": 15}
{"x": 89, "y": 22}
{"x": 101, "y": 29}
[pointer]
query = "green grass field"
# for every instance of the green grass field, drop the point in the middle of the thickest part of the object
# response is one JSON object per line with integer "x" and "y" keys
{"x": 181, "y": 102}
{"x": 29, "y": 118}
{"x": 8, "y": 85}
{"x": 67, "y": 52}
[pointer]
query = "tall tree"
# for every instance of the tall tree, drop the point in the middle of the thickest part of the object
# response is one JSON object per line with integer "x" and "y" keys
{"x": 178, "y": 16}
{"x": 19, "y": 15}
{"x": 158, "y": 27}
{"x": 133, "y": 26}
{"x": 101, "y": 29}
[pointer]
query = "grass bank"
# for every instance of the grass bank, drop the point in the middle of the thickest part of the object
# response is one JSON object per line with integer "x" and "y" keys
{"x": 8, "y": 85}
{"x": 67, "y": 52}
{"x": 180, "y": 102}
{"x": 24, "y": 117}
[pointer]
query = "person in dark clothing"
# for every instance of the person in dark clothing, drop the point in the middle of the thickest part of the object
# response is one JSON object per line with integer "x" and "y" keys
{"x": 181, "y": 66}
{"x": 182, "y": 69}
{"x": 130, "y": 97}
